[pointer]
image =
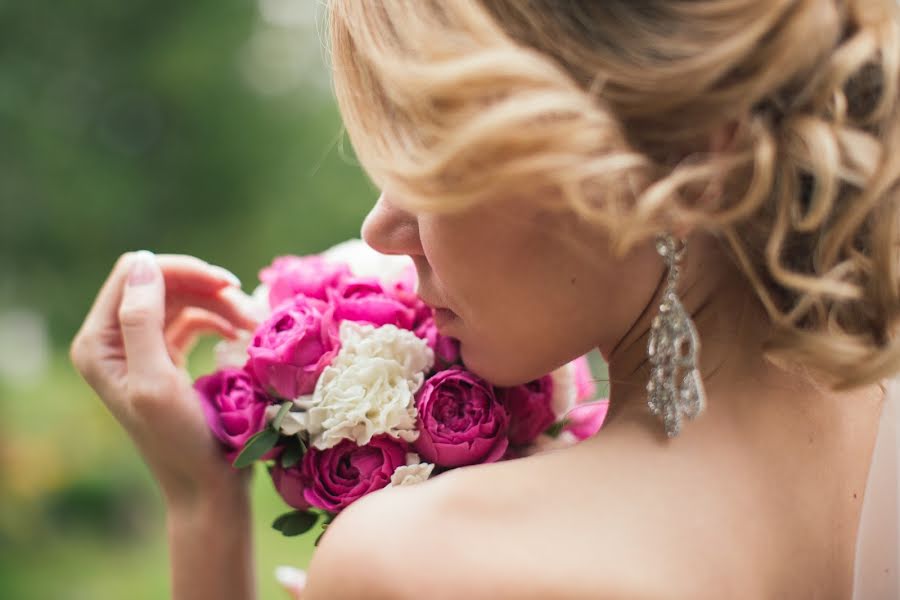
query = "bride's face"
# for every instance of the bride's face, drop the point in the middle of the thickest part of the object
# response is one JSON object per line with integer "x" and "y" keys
{"x": 523, "y": 300}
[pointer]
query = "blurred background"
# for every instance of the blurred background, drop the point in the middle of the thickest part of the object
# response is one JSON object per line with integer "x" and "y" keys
{"x": 203, "y": 127}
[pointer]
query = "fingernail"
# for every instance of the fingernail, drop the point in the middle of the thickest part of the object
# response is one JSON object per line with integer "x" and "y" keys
{"x": 227, "y": 275}
{"x": 290, "y": 577}
{"x": 143, "y": 270}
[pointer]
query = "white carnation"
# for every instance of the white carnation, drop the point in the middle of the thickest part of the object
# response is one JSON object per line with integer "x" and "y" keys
{"x": 411, "y": 474}
{"x": 360, "y": 341}
{"x": 369, "y": 388}
{"x": 366, "y": 262}
{"x": 565, "y": 392}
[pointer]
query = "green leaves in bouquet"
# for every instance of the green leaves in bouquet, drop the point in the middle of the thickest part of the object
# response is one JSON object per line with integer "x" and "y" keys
{"x": 294, "y": 449}
{"x": 262, "y": 442}
{"x": 256, "y": 447}
{"x": 282, "y": 410}
{"x": 296, "y": 522}
{"x": 329, "y": 517}
{"x": 555, "y": 429}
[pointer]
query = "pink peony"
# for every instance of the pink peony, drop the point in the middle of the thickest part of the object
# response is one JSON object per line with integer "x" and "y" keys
{"x": 460, "y": 420}
{"x": 289, "y": 485}
{"x": 586, "y": 419}
{"x": 336, "y": 477}
{"x": 234, "y": 407}
{"x": 365, "y": 299}
{"x": 530, "y": 409}
{"x": 446, "y": 349}
{"x": 584, "y": 380}
{"x": 293, "y": 346}
{"x": 311, "y": 276}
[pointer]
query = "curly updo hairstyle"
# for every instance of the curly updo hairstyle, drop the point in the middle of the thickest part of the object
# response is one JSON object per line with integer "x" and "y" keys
{"x": 611, "y": 106}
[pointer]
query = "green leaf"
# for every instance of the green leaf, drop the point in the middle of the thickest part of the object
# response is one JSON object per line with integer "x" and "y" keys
{"x": 555, "y": 429}
{"x": 329, "y": 517}
{"x": 276, "y": 422}
{"x": 255, "y": 447}
{"x": 293, "y": 452}
{"x": 319, "y": 537}
{"x": 295, "y": 522}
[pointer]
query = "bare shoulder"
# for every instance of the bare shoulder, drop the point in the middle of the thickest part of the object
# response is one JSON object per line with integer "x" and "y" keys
{"x": 568, "y": 524}
{"x": 372, "y": 549}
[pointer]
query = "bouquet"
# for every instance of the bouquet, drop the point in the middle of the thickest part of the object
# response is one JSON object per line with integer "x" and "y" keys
{"x": 347, "y": 387}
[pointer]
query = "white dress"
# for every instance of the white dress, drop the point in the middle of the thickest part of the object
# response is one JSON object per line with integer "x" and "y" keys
{"x": 877, "y": 568}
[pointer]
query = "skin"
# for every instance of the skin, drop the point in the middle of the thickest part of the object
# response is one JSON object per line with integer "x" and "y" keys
{"x": 131, "y": 350}
{"x": 758, "y": 498}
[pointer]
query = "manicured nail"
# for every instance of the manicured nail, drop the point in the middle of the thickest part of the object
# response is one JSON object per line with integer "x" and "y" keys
{"x": 227, "y": 275}
{"x": 143, "y": 268}
{"x": 291, "y": 578}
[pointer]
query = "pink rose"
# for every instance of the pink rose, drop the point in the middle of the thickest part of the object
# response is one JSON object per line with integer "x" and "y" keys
{"x": 311, "y": 276}
{"x": 234, "y": 407}
{"x": 446, "y": 349}
{"x": 584, "y": 380}
{"x": 336, "y": 477}
{"x": 460, "y": 420}
{"x": 293, "y": 346}
{"x": 530, "y": 409}
{"x": 365, "y": 299}
{"x": 289, "y": 485}
{"x": 586, "y": 419}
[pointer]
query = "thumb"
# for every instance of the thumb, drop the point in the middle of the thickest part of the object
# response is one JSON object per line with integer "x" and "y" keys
{"x": 141, "y": 317}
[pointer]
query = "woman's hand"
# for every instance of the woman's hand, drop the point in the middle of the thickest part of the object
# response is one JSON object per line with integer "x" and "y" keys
{"x": 131, "y": 349}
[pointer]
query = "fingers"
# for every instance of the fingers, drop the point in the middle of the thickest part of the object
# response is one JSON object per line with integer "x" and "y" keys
{"x": 182, "y": 273}
{"x": 191, "y": 274}
{"x": 291, "y": 579}
{"x": 230, "y": 303}
{"x": 141, "y": 317}
{"x": 191, "y": 322}
{"x": 185, "y": 273}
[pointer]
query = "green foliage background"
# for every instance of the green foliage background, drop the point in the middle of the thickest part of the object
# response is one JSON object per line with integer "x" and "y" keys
{"x": 203, "y": 127}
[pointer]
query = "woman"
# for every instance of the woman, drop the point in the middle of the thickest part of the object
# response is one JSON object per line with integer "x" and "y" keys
{"x": 718, "y": 176}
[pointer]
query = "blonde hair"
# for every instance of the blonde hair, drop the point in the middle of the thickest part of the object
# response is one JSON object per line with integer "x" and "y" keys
{"x": 612, "y": 105}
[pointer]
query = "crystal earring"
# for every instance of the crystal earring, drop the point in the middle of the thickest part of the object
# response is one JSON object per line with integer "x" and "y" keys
{"x": 674, "y": 390}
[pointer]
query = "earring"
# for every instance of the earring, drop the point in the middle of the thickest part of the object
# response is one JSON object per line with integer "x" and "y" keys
{"x": 674, "y": 390}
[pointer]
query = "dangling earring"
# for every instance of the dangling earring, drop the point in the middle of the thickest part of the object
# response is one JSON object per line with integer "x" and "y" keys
{"x": 675, "y": 389}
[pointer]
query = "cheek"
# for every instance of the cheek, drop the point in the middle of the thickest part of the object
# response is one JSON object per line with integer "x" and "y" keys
{"x": 532, "y": 320}
{"x": 523, "y": 327}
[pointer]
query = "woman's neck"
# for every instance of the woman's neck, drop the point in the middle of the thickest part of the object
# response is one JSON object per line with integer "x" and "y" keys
{"x": 776, "y": 430}
{"x": 743, "y": 389}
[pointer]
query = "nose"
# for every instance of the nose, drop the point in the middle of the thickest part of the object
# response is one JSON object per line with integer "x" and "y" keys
{"x": 390, "y": 230}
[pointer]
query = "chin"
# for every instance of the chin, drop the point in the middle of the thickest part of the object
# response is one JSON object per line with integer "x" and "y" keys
{"x": 497, "y": 371}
